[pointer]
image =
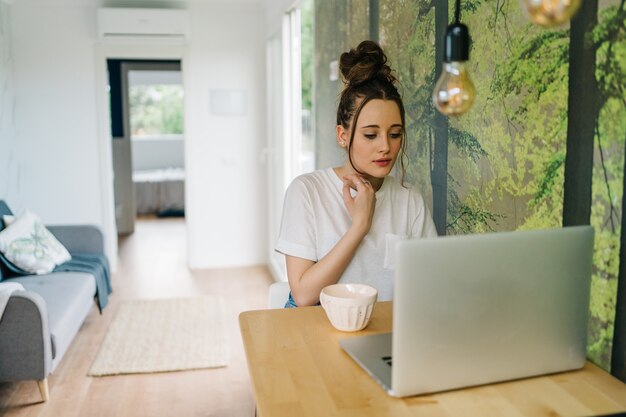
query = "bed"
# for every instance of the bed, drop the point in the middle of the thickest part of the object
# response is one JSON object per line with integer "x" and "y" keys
{"x": 160, "y": 191}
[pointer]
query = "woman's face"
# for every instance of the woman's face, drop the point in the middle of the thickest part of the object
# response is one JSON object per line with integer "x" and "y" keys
{"x": 377, "y": 138}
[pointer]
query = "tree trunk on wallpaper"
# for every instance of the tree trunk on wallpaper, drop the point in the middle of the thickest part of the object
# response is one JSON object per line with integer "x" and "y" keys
{"x": 582, "y": 113}
{"x": 594, "y": 89}
{"x": 374, "y": 12}
{"x": 618, "y": 355}
{"x": 439, "y": 173}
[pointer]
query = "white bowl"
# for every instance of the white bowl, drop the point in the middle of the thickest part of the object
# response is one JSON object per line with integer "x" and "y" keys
{"x": 348, "y": 306}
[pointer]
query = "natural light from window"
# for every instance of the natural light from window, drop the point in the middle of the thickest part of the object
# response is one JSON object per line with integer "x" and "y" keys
{"x": 156, "y": 103}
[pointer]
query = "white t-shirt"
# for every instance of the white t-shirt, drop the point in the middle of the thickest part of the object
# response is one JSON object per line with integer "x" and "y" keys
{"x": 315, "y": 218}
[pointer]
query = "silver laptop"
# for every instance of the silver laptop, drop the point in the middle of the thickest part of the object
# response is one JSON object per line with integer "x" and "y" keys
{"x": 476, "y": 309}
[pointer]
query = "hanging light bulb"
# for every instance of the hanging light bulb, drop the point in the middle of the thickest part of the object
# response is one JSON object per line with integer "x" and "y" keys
{"x": 550, "y": 12}
{"x": 454, "y": 91}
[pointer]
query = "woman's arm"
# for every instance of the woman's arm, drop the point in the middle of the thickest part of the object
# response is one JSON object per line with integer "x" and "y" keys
{"x": 306, "y": 277}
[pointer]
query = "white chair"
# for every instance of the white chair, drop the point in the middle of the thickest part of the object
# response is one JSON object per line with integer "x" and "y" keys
{"x": 278, "y": 294}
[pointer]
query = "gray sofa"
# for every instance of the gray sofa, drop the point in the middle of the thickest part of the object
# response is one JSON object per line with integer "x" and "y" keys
{"x": 39, "y": 324}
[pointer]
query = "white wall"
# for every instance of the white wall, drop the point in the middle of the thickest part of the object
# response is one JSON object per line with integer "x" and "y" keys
{"x": 274, "y": 14}
{"x": 9, "y": 163}
{"x": 275, "y": 153}
{"x": 61, "y": 127}
{"x": 228, "y": 201}
{"x": 55, "y": 116}
{"x": 158, "y": 152}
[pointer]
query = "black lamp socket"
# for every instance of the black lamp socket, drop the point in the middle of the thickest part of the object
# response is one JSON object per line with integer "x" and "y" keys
{"x": 457, "y": 43}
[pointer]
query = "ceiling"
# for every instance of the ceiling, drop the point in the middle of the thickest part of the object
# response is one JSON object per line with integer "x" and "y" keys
{"x": 274, "y": 9}
{"x": 176, "y": 4}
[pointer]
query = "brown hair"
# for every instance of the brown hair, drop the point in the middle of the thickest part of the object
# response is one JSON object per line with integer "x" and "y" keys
{"x": 366, "y": 76}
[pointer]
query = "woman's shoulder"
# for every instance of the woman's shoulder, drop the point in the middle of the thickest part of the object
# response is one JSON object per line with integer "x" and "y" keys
{"x": 404, "y": 190}
{"x": 314, "y": 178}
{"x": 310, "y": 181}
{"x": 313, "y": 175}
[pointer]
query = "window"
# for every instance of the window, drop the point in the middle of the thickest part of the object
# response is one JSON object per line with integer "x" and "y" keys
{"x": 299, "y": 142}
{"x": 156, "y": 103}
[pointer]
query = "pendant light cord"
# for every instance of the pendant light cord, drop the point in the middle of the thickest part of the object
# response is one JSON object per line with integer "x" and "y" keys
{"x": 457, "y": 12}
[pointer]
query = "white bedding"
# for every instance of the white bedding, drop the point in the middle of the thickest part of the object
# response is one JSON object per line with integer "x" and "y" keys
{"x": 159, "y": 191}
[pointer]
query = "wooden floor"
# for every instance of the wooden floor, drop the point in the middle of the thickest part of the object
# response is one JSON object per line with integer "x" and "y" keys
{"x": 152, "y": 264}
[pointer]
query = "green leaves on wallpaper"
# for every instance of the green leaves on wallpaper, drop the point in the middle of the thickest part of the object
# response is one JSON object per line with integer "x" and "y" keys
{"x": 466, "y": 143}
{"x": 609, "y": 38}
{"x": 552, "y": 173}
{"x": 506, "y": 156}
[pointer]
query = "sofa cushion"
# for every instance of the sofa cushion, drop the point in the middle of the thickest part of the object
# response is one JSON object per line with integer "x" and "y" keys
{"x": 69, "y": 296}
{"x": 7, "y": 219}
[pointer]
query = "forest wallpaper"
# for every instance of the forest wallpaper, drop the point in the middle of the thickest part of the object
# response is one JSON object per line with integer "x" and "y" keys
{"x": 506, "y": 156}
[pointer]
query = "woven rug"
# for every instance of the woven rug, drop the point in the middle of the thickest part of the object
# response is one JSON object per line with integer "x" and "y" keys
{"x": 164, "y": 335}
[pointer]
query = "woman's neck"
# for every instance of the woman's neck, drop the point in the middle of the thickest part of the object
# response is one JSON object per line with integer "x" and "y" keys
{"x": 347, "y": 170}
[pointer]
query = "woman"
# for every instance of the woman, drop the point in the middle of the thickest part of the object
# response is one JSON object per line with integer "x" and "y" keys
{"x": 341, "y": 224}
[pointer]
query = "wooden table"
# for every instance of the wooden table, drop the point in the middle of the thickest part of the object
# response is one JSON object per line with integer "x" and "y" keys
{"x": 299, "y": 369}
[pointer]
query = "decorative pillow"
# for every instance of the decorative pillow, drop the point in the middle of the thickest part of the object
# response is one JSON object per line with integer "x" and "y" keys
{"x": 7, "y": 219}
{"x": 30, "y": 246}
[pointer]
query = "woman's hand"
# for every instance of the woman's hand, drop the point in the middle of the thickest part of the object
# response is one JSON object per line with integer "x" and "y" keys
{"x": 361, "y": 207}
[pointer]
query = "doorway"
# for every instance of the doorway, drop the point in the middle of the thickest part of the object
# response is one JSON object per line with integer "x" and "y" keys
{"x": 147, "y": 119}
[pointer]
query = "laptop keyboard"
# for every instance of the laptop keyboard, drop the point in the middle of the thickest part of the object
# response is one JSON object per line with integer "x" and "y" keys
{"x": 387, "y": 360}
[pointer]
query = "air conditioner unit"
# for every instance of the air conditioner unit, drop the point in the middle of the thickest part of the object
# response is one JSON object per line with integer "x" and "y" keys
{"x": 128, "y": 23}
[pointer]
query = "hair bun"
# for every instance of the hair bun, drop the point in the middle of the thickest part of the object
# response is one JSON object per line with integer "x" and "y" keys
{"x": 363, "y": 63}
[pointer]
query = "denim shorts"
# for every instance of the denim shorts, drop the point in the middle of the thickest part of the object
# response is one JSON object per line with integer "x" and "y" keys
{"x": 291, "y": 303}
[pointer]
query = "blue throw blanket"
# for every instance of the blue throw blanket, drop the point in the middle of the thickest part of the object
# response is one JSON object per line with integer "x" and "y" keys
{"x": 98, "y": 266}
